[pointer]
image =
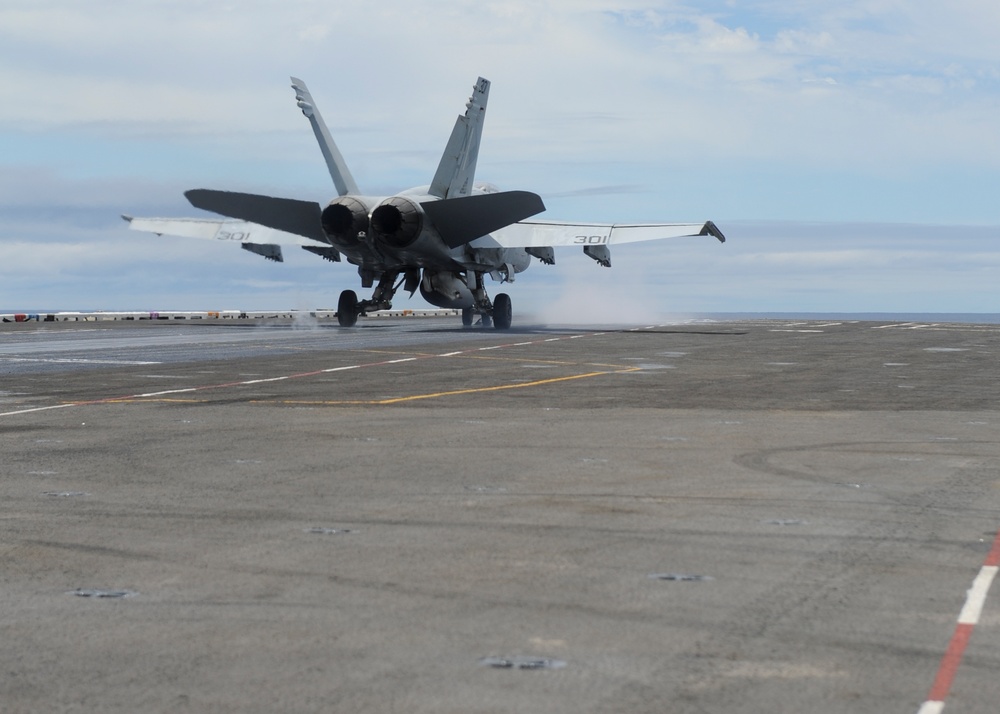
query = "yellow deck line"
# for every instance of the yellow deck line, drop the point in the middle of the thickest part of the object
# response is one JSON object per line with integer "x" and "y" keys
{"x": 450, "y": 393}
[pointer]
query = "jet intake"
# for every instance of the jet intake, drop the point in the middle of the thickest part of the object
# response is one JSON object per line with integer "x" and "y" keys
{"x": 397, "y": 222}
{"x": 345, "y": 221}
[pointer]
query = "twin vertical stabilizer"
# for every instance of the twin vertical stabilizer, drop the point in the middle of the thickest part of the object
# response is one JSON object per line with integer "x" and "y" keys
{"x": 455, "y": 172}
{"x": 339, "y": 172}
{"x": 457, "y": 169}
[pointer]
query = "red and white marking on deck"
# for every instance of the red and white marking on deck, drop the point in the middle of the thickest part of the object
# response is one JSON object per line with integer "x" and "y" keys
{"x": 967, "y": 621}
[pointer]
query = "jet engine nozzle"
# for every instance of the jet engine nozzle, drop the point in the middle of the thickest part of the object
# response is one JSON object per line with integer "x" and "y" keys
{"x": 397, "y": 222}
{"x": 345, "y": 221}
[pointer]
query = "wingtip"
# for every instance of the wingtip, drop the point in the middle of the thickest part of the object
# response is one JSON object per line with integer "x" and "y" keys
{"x": 127, "y": 218}
{"x": 710, "y": 229}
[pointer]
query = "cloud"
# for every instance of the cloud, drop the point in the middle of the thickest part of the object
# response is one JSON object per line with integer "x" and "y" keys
{"x": 717, "y": 82}
{"x": 768, "y": 266}
{"x": 866, "y": 111}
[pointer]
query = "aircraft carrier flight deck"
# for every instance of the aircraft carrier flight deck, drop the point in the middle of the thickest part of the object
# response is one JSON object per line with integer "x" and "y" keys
{"x": 733, "y": 516}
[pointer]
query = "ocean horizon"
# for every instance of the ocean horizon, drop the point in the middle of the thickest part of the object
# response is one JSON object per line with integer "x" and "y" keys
{"x": 923, "y": 317}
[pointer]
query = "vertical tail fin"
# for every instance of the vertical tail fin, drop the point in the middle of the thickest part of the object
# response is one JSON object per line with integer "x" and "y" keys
{"x": 339, "y": 172}
{"x": 457, "y": 169}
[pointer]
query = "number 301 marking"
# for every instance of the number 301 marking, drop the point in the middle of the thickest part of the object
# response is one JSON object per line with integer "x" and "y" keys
{"x": 590, "y": 240}
{"x": 236, "y": 235}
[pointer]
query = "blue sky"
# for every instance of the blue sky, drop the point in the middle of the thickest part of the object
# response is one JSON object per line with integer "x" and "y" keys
{"x": 849, "y": 150}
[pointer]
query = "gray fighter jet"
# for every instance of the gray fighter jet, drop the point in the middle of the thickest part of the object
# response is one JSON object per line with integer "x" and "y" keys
{"x": 442, "y": 239}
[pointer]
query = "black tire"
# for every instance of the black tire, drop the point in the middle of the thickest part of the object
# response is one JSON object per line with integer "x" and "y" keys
{"x": 467, "y": 317}
{"x": 502, "y": 313}
{"x": 347, "y": 309}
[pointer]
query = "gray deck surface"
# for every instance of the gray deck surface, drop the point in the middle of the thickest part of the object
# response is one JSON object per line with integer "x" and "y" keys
{"x": 747, "y": 516}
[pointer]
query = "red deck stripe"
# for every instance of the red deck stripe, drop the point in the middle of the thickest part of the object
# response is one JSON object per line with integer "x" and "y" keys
{"x": 950, "y": 662}
{"x": 959, "y": 641}
{"x": 994, "y": 557}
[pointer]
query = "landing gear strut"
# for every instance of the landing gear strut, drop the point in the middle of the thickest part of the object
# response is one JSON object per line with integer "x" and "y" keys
{"x": 349, "y": 308}
{"x": 494, "y": 314}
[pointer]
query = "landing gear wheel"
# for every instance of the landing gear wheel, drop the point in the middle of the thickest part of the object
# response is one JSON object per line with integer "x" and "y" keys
{"x": 467, "y": 317}
{"x": 347, "y": 309}
{"x": 501, "y": 311}
{"x": 487, "y": 321}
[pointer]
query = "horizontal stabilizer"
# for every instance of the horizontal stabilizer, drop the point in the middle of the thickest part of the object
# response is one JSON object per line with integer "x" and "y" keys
{"x": 462, "y": 220}
{"x": 284, "y": 214}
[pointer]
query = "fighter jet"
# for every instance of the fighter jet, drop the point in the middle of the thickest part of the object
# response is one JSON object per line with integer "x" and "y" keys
{"x": 442, "y": 239}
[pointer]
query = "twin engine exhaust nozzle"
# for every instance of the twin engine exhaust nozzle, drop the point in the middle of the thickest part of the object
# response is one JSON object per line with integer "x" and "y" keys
{"x": 397, "y": 222}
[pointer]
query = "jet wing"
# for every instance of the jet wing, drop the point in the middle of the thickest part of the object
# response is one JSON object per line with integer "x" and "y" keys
{"x": 546, "y": 234}
{"x": 251, "y": 236}
{"x": 218, "y": 229}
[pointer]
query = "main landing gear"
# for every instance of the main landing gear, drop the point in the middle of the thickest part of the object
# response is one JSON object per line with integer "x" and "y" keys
{"x": 502, "y": 313}
{"x": 496, "y": 313}
{"x": 349, "y": 308}
{"x": 500, "y": 317}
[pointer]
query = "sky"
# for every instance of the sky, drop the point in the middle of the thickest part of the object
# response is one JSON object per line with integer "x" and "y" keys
{"x": 849, "y": 150}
